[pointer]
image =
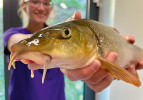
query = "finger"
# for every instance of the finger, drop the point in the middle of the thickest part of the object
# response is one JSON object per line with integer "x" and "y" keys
{"x": 25, "y": 61}
{"x": 112, "y": 57}
{"x": 82, "y": 73}
{"x": 102, "y": 84}
{"x": 115, "y": 29}
{"x": 31, "y": 64}
{"x": 132, "y": 70}
{"x": 96, "y": 77}
{"x": 101, "y": 73}
{"x": 76, "y": 15}
{"x": 139, "y": 65}
{"x": 34, "y": 66}
{"x": 129, "y": 38}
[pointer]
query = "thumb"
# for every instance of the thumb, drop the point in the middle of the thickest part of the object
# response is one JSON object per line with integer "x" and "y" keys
{"x": 76, "y": 15}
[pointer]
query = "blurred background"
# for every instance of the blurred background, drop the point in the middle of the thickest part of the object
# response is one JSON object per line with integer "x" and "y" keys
{"x": 125, "y": 15}
{"x": 2, "y": 84}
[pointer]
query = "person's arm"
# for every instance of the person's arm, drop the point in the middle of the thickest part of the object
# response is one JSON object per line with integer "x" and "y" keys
{"x": 93, "y": 75}
{"x": 15, "y": 38}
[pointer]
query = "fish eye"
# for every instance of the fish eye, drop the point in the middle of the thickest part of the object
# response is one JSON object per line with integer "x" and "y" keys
{"x": 66, "y": 33}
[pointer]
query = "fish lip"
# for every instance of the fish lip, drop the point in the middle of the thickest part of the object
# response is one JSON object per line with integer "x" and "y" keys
{"x": 33, "y": 63}
{"x": 38, "y": 66}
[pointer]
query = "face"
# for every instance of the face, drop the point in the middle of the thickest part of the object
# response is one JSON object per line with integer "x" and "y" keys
{"x": 38, "y": 10}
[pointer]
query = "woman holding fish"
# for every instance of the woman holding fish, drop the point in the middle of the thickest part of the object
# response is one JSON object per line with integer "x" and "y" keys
{"x": 22, "y": 87}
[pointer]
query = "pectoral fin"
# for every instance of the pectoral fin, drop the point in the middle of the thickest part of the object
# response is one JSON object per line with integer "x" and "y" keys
{"x": 119, "y": 72}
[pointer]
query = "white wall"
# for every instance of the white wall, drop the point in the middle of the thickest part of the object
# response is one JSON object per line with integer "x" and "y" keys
{"x": 106, "y": 16}
{"x": 107, "y": 12}
{"x": 128, "y": 19}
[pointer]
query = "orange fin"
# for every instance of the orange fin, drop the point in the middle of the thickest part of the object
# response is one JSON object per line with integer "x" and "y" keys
{"x": 119, "y": 72}
{"x": 137, "y": 75}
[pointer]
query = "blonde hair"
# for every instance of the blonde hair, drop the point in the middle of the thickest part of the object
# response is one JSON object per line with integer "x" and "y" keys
{"x": 21, "y": 6}
{"x": 23, "y": 15}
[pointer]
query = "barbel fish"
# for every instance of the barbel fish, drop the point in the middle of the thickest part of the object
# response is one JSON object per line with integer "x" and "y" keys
{"x": 76, "y": 44}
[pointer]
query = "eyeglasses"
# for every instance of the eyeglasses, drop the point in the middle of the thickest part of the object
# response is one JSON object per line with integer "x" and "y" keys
{"x": 37, "y": 3}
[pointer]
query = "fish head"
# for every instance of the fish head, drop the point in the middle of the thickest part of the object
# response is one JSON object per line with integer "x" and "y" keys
{"x": 65, "y": 45}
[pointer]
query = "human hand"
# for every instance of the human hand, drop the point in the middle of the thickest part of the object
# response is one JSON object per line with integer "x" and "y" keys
{"x": 76, "y": 15}
{"x": 139, "y": 65}
{"x": 96, "y": 77}
{"x": 133, "y": 67}
{"x": 93, "y": 75}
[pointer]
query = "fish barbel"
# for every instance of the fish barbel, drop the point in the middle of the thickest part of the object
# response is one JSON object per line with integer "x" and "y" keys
{"x": 76, "y": 44}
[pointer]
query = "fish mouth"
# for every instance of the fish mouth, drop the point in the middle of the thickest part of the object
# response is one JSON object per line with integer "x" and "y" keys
{"x": 34, "y": 60}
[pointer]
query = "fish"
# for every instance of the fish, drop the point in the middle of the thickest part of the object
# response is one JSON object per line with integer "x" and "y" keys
{"x": 75, "y": 44}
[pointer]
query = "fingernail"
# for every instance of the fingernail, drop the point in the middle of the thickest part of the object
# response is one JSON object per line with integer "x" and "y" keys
{"x": 96, "y": 64}
{"x": 114, "y": 55}
{"x": 126, "y": 37}
{"x": 141, "y": 62}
